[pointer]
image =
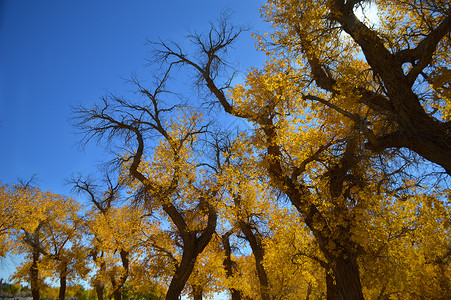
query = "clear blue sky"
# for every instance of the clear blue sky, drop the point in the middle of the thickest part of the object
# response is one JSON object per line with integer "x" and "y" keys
{"x": 56, "y": 54}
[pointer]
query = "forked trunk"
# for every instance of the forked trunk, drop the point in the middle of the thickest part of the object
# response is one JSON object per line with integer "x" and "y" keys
{"x": 193, "y": 245}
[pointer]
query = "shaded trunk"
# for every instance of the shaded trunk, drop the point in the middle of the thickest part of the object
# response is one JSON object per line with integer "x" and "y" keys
{"x": 99, "y": 287}
{"x": 117, "y": 289}
{"x": 346, "y": 271}
{"x": 117, "y": 294}
{"x": 333, "y": 293}
{"x": 34, "y": 275}
{"x": 258, "y": 251}
{"x": 347, "y": 276}
{"x": 228, "y": 264}
{"x": 98, "y": 283}
{"x": 193, "y": 245}
{"x": 255, "y": 242}
{"x": 63, "y": 281}
{"x": 183, "y": 271}
{"x": 118, "y": 285}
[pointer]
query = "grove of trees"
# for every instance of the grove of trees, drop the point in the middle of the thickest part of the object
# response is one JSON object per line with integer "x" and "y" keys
{"x": 334, "y": 185}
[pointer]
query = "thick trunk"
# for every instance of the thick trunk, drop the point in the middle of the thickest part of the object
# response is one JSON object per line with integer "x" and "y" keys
{"x": 432, "y": 141}
{"x": 63, "y": 280}
{"x": 119, "y": 284}
{"x": 117, "y": 287}
{"x": 332, "y": 291}
{"x": 236, "y": 295}
{"x": 183, "y": 271}
{"x": 255, "y": 242}
{"x": 347, "y": 276}
{"x": 421, "y": 133}
{"x": 193, "y": 245}
{"x": 117, "y": 290}
{"x": 34, "y": 275}
{"x": 99, "y": 285}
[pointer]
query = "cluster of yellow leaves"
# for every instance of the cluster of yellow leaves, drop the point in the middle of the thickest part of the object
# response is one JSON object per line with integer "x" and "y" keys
{"x": 37, "y": 221}
{"x": 291, "y": 271}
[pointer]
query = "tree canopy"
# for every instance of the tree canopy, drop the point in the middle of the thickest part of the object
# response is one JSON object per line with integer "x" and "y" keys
{"x": 338, "y": 188}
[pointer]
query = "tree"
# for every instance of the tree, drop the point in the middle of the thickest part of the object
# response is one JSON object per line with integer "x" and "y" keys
{"x": 386, "y": 77}
{"x": 295, "y": 265}
{"x": 113, "y": 230}
{"x": 328, "y": 132}
{"x": 244, "y": 203}
{"x": 168, "y": 180}
{"x": 47, "y": 232}
{"x": 315, "y": 158}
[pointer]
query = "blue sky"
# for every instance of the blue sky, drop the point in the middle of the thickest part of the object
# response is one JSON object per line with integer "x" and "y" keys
{"x": 56, "y": 54}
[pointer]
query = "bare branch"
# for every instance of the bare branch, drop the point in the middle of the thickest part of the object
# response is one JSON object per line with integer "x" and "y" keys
{"x": 212, "y": 47}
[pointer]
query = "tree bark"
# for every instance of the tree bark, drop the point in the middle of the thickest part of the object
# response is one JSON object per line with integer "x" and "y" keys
{"x": 192, "y": 247}
{"x": 118, "y": 285}
{"x": 34, "y": 275}
{"x": 117, "y": 294}
{"x": 332, "y": 291}
{"x": 346, "y": 271}
{"x": 183, "y": 271}
{"x": 228, "y": 264}
{"x": 98, "y": 284}
{"x": 418, "y": 131}
{"x": 63, "y": 281}
{"x": 99, "y": 287}
{"x": 258, "y": 251}
{"x": 347, "y": 276}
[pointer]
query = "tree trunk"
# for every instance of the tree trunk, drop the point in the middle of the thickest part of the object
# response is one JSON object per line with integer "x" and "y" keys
{"x": 183, "y": 271}
{"x": 117, "y": 294}
{"x": 118, "y": 283}
{"x": 333, "y": 293}
{"x": 193, "y": 245}
{"x": 98, "y": 283}
{"x": 259, "y": 252}
{"x": 197, "y": 292}
{"x": 228, "y": 264}
{"x": 63, "y": 280}
{"x": 34, "y": 275}
{"x": 99, "y": 287}
{"x": 347, "y": 276}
